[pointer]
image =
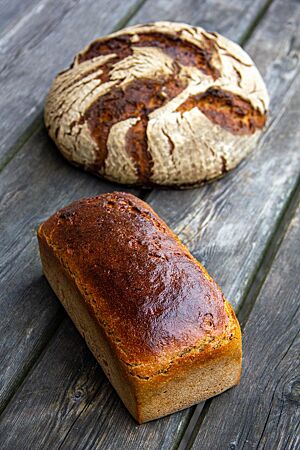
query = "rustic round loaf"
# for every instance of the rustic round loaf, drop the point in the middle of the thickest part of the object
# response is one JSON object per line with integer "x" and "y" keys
{"x": 158, "y": 104}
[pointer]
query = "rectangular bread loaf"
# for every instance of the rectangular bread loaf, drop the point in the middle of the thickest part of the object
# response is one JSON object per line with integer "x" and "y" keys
{"x": 154, "y": 319}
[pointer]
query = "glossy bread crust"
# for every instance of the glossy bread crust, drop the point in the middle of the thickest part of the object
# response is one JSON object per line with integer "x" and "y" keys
{"x": 159, "y": 312}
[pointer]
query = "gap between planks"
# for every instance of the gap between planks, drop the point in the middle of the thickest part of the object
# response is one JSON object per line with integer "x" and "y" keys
{"x": 247, "y": 304}
{"x": 264, "y": 265}
{"x": 37, "y": 121}
{"x": 51, "y": 332}
{"x": 146, "y": 193}
{"x": 260, "y": 15}
{"x": 35, "y": 126}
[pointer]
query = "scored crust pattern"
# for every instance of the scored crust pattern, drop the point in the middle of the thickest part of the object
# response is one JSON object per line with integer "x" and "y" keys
{"x": 164, "y": 103}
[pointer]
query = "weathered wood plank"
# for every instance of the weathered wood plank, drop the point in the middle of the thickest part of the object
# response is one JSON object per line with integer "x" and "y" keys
{"x": 231, "y": 18}
{"x": 30, "y": 190}
{"x": 33, "y": 53}
{"x": 11, "y": 11}
{"x": 54, "y": 30}
{"x": 231, "y": 220}
{"x": 130, "y": 438}
{"x": 73, "y": 383}
{"x": 37, "y": 200}
{"x": 263, "y": 411}
{"x": 228, "y": 224}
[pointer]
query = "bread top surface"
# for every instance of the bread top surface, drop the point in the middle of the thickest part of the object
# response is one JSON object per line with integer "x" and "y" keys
{"x": 152, "y": 298}
{"x": 163, "y": 103}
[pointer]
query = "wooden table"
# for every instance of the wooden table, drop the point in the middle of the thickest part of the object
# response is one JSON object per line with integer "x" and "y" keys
{"x": 244, "y": 228}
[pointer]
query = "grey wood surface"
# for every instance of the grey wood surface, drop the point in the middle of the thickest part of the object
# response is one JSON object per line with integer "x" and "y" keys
{"x": 34, "y": 185}
{"x": 227, "y": 225}
{"x": 233, "y": 219}
{"x": 57, "y": 400}
{"x": 33, "y": 52}
{"x": 30, "y": 185}
{"x": 240, "y": 212}
{"x": 12, "y": 11}
{"x": 234, "y": 19}
{"x": 30, "y": 190}
{"x": 60, "y": 29}
{"x": 263, "y": 412}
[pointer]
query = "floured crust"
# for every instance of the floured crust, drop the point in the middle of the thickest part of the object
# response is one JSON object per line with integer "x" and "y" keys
{"x": 154, "y": 337}
{"x": 164, "y": 103}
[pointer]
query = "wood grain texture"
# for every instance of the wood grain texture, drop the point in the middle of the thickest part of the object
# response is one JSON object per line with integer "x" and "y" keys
{"x": 243, "y": 208}
{"x": 268, "y": 398}
{"x": 50, "y": 38}
{"x": 228, "y": 224}
{"x": 13, "y": 11}
{"x": 232, "y": 220}
{"x": 226, "y": 17}
{"x": 54, "y": 30}
{"x": 29, "y": 194}
{"x": 74, "y": 383}
{"x": 52, "y": 184}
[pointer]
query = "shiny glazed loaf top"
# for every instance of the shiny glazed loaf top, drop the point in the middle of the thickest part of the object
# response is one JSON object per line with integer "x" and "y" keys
{"x": 143, "y": 286}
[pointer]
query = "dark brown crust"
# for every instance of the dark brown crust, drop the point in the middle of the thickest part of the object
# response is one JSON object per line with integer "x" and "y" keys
{"x": 227, "y": 110}
{"x": 137, "y": 100}
{"x": 183, "y": 52}
{"x": 139, "y": 281}
{"x": 119, "y": 45}
{"x": 140, "y": 96}
{"x": 137, "y": 148}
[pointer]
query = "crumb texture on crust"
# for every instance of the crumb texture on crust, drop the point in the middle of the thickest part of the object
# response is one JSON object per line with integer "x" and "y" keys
{"x": 163, "y": 103}
{"x": 154, "y": 301}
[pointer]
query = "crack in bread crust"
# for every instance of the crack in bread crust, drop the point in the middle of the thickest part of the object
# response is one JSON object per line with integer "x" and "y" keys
{"x": 151, "y": 73}
{"x": 183, "y": 52}
{"x": 227, "y": 110}
{"x": 137, "y": 100}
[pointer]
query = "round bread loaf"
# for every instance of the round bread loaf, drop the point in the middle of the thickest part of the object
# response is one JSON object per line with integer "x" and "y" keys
{"x": 158, "y": 104}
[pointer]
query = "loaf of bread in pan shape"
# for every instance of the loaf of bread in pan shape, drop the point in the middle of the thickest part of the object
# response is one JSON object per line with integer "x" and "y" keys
{"x": 158, "y": 104}
{"x": 154, "y": 319}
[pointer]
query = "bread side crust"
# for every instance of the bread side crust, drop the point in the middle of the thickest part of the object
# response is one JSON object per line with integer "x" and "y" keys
{"x": 195, "y": 376}
{"x": 71, "y": 298}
